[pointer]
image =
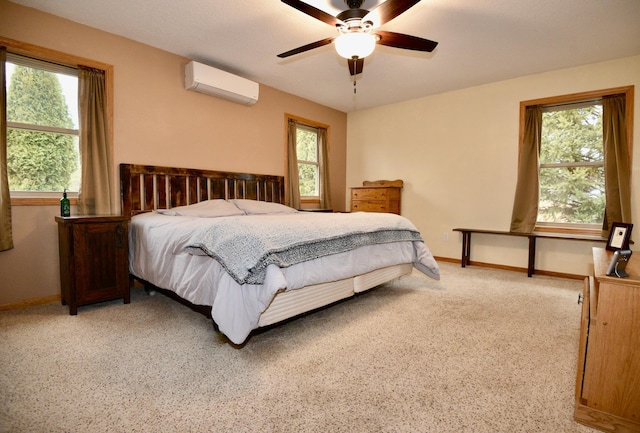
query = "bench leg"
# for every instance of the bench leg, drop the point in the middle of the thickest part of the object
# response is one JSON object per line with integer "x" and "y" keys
{"x": 466, "y": 249}
{"x": 531, "y": 268}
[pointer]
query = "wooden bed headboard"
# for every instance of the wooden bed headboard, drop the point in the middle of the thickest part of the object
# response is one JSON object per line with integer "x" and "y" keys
{"x": 144, "y": 188}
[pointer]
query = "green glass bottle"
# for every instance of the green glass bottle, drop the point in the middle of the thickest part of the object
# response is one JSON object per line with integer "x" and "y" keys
{"x": 65, "y": 207}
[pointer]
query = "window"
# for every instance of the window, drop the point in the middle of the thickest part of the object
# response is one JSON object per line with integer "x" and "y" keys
{"x": 308, "y": 161}
{"x": 42, "y": 127}
{"x": 572, "y": 165}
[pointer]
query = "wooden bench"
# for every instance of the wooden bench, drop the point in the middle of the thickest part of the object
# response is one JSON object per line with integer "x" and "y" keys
{"x": 466, "y": 242}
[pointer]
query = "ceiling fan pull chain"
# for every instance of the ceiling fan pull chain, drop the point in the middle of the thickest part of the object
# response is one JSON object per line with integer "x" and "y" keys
{"x": 354, "y": 85}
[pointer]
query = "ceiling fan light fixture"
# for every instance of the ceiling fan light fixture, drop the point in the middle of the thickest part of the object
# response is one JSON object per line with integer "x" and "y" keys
{"x": 355, "y": 44}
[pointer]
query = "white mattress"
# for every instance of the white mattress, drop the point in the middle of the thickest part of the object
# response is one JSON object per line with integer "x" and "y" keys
{"x": 157, "y": 255}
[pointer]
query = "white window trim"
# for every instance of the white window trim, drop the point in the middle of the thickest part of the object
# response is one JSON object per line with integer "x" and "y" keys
{"x": 316, "y": 163}
{"x": 42, "y": 128}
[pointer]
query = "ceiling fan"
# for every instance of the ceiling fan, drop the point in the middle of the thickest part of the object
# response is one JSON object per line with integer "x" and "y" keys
{"x": 357, "y": 38}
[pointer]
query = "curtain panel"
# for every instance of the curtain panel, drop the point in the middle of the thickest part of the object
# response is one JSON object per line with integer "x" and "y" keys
{"x": 6, "y": 236}
{"x": 293, "y": 184}
{"x": 525, "y": 204}
{"x": 95, "y": 196}
{"x": 323, "y": 154}
{"x": 617, "y": 168}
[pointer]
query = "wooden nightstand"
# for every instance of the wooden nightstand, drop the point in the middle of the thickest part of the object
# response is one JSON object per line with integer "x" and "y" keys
{"x": 94, "y": 259}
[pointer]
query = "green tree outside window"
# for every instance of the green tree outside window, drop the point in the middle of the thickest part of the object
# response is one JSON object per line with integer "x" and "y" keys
{"x": 572, "y": 166}
{"x": 308, "y": 165}
{"x": 41, "y": 154}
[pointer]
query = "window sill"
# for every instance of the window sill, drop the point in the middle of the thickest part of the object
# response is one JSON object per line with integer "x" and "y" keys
{"x": 569, "y": 230}
{"x": 39, "y": 201}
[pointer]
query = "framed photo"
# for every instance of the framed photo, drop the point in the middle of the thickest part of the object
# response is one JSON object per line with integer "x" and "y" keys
{"x": 619, "y": 236}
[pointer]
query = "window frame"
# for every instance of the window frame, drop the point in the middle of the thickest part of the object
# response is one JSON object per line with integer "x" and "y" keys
{"x": 628, "y": 91}
{"x": 593, "y": 227}
{"x": 312, "y": 124}
{"x": 310, "y": 198}
{"x": 53, "y": 56}
{"x": 56, "y": 68}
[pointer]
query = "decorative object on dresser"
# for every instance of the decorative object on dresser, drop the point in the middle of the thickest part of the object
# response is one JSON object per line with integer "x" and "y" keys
{"x": 94, "y": 259}
{"x": 608, "y": 380}
{"x": 377, "y": 196}
{"x": 618, "y": 263}
{"x": 619, "y": 236}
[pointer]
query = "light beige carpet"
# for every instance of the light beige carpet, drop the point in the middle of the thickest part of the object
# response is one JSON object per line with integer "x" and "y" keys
{"x": 482, "y": 350}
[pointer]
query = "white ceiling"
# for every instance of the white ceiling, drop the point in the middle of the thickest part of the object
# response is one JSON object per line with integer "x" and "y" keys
{"x": 480, "y": 41}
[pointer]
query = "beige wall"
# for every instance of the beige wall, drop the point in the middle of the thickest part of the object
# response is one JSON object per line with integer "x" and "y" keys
{"x": 457, "y": 153}
{"x": 155, "y": 122}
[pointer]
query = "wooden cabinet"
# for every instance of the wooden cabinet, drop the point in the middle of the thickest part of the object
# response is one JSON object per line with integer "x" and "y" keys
{"x": 377, "y": 196}
{"x": 94, "y": 259}
{"x": 608, "y": 381}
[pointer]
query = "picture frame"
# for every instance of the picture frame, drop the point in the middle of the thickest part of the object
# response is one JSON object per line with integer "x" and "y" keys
{"x": 619, "y": 236}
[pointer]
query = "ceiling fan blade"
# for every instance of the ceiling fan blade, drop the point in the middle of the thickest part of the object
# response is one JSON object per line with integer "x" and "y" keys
{"x": 314, "y": 12}
{"x": 355, "y": 66}
{"x": 398, "y": 40}
{"x": 388, "y": 10}
{"x": 307, "y": 47}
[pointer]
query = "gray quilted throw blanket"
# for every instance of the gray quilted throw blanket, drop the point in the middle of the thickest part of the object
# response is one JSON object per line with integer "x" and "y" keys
{"x": 246, "y": 245}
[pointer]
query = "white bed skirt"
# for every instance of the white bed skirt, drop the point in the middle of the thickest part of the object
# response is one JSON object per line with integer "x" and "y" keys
{"x": 287, "y": 304}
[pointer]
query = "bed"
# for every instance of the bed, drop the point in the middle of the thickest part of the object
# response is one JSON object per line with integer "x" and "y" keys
{"x": 226, "y": 241}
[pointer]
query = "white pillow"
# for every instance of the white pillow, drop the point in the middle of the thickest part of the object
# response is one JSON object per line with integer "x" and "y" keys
{"x": 205, "y": 209}
{"x": 256, "y": 207}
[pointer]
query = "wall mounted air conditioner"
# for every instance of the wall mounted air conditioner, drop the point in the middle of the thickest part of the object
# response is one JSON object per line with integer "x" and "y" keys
{"x": 206, "y": 79}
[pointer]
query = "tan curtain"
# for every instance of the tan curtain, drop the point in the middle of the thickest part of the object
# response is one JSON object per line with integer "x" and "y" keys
{"x": 6, "y": 238}
{"x": 525, "y": 204}
{"x": 617, "y": 171}
{"x": 293, "y": 187}
{"x": 94, "y": 197}
{"x": 323, "y": 153}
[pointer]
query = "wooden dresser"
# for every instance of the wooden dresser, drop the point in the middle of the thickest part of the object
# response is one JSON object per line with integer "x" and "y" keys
{"x": 608, "y": 380}
{"x": 377, "y": 196}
